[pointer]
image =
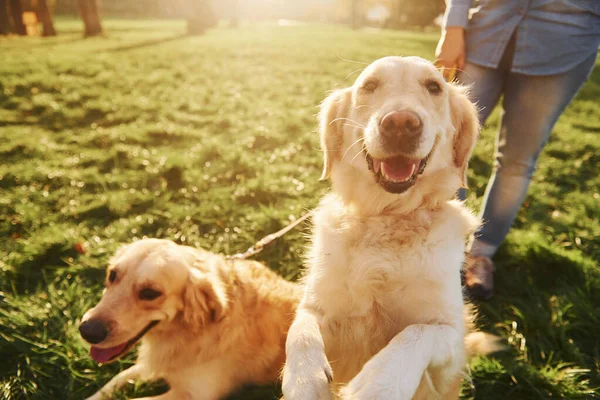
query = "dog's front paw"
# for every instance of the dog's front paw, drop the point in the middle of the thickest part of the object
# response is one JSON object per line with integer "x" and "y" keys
{"x": 308, "y": 380}
{"x": 355, "y": 392}
{"x": 374, "y": 384}
{"x": 366, "y": 390}
{"x": 379, "y": 381}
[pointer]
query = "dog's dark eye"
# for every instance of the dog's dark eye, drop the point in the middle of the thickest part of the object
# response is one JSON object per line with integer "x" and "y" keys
{"x": 433, "y": 87}
{"x": 370, "y": 86}
{"x": 149, "y": 294}
{"x": 112, "y": 275}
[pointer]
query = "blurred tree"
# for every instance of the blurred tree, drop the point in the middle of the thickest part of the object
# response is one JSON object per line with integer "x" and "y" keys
{"x": 5, "y": 24}
{"x": 91, "y": 18}
{"x": 17, "y": 17}
{"x": 202, "y": 18}
{"x": 234, "y": 19}
{"x": 357, "y": 15}
{"x": 45, "y": 16}
{"x": 351, "y": 12}
{"x": 412, "y": 13}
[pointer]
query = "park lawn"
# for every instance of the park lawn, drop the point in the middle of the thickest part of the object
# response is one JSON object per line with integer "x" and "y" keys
{"x": 211, "y": 141}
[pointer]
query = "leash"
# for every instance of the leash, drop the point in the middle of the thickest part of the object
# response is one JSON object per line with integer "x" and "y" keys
{"x": 262, "y": 243}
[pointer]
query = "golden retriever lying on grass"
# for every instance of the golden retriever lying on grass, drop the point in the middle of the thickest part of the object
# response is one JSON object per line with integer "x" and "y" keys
{"x": 382, "y": 316}
{"x": 206, "y": 326}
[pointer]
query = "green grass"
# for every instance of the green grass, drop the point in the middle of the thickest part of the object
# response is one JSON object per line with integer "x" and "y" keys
{"x": 211, "y": 141}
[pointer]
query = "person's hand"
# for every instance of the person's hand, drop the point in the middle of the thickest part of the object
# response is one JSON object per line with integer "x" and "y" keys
{"x": 450, "y": 52}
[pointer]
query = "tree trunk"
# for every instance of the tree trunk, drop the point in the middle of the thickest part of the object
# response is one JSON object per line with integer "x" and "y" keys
{"x": 91, "y": 18}
{"x": 45, "y": 16}
{"x": 17, "y": 17}
{"x": 5, "y": 25}
{"x": 202, "y": 18}
{"x": 396, "y": 20}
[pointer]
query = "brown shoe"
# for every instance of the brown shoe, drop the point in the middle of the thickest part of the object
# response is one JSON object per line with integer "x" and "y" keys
{"x": 479, "y": 277}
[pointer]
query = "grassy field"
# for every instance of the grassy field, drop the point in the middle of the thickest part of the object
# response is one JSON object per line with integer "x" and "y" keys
{"x": 211, "y": 141}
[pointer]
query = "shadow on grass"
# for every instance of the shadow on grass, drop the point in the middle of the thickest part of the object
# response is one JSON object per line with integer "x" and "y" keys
{"x": 588, "y": 128}
{"x": 59, "y": 120}
{"x": 549, "y": 297}
{"x": 45, "y": 263}
{"x": 147, "y": 43}
{"x": 591, "y": 90}
{"x": 54, "y": 41}
{"x": 110, "y": 29}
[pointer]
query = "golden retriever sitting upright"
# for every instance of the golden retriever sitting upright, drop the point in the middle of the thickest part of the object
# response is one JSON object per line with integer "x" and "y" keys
{"x": 206, "y": 326}
{"x": 382, "y": 316}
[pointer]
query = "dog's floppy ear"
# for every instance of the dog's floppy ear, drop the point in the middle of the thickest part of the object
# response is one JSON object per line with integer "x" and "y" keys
{"x": 204, "y": 299}
{"x": 331, "y": 122}
{"x": 466, "y": 122}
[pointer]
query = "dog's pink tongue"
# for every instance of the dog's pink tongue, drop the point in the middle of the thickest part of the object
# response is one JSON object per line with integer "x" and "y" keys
{"x": 104, "y": 355}
{"x": 398, "y": 169}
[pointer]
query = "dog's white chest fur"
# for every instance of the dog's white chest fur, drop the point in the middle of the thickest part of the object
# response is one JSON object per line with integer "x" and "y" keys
{"x": 371, "y": 277}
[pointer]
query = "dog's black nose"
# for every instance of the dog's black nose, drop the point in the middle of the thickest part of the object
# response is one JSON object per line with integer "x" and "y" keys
{"x": 93, "y": 331}
{"x": 402, "y": 128}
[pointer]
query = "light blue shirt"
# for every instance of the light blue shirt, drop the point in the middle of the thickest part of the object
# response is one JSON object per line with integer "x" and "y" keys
{"x": 553, "y": 36}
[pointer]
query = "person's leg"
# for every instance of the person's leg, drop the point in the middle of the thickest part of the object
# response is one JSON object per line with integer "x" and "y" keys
{"x": 485, "y": 88}
{"x": 532, "y": 105}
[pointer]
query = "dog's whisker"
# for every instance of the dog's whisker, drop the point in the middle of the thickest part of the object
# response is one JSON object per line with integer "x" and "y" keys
{"x": 351, "y": 61}
{"x": 325, "y": 150}
{"x": 346, "y": 119}
{"x": 354, "y": 126}
{"x": 357, "y": 154}
{"x": 352, "y": 145}
{"x": 353, "y": 72}
{"x": 363, "y": 105}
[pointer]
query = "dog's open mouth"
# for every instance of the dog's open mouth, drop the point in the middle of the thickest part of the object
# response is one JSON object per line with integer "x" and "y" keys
{"x": 113, "y": 353}
{"x": 398, "y": 173}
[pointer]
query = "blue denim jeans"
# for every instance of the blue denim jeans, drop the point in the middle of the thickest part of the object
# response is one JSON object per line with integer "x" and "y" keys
{"x": 531, "y": 106}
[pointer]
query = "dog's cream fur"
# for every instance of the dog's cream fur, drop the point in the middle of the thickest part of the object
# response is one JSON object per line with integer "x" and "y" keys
{"x": 222, "y": 325}
{"x": 382, "y": 316}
